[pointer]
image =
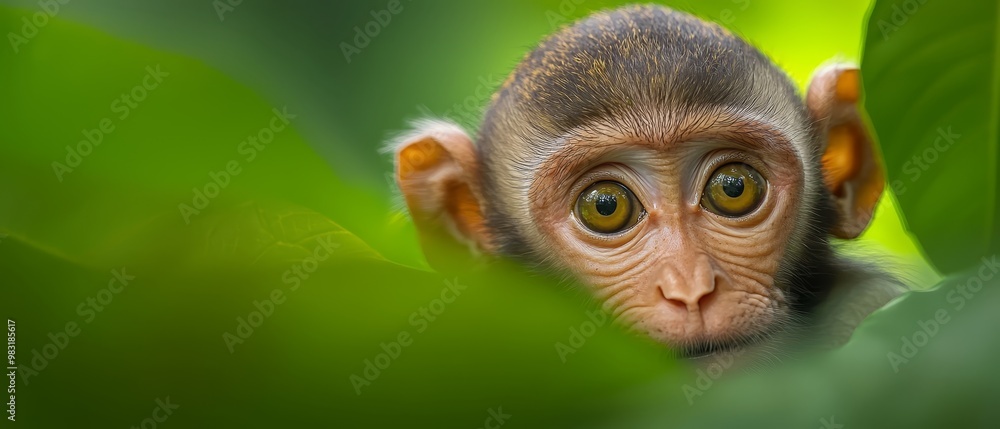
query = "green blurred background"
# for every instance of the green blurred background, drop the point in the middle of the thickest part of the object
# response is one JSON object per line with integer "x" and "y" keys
{"x": 323, "y": 180}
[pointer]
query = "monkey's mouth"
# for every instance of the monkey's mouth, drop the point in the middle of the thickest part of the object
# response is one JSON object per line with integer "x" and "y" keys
{"x": 708, "y": 348}
{"x": 705, "y": 350}
{"x": 725, "y": 329}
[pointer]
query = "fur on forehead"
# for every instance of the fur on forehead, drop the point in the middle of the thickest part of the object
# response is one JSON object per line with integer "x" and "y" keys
{"x": 612, "y": 63}
{"x": 637, "y": 70}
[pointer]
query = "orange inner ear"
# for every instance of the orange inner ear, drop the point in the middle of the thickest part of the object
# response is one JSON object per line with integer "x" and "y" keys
{"x": 848, "y": 88}
{"x": 419, "y": 156}
{"x": 464, "y": 208}
{"x": 842, "y": 159}
{"x": 871, "y": 190}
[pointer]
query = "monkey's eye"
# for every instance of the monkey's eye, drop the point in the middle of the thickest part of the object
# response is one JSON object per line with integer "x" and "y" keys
{"x": 608, "y": 207}
{"x": 734, "y": 190}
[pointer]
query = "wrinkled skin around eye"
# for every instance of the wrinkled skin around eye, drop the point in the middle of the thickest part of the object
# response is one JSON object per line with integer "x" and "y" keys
{"x": 698, "y": 270}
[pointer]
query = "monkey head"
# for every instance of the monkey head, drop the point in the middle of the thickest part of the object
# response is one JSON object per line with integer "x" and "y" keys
{"x": 664, "y": 162}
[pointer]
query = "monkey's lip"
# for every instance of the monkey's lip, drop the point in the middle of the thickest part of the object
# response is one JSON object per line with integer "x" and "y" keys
{"x": 707, "y": 348}
{"x": 703, "y": 350}
{"x": 696, "y": 354}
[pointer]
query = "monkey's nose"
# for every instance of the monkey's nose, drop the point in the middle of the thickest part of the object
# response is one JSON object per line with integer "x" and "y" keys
{"x": 691, "y": 298}
{"x": 689, "y": 289}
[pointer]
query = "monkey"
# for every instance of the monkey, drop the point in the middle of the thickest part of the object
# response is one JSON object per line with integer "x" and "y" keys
{"x": 673, "y": 169}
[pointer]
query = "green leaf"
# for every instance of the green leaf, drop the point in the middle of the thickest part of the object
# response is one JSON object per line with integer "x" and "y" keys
{"x": 931, "y": 73}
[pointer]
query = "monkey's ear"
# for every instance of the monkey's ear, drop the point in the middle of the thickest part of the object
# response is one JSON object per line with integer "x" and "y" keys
{"x": 851, "y": 166}
{"x": 437, "y": 170}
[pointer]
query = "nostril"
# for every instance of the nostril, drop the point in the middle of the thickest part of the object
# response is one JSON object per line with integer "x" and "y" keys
{"x": 706, "y": 298}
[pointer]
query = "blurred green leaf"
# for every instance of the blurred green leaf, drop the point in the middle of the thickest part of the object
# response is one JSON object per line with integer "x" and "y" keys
{"x": 932, "y": 81}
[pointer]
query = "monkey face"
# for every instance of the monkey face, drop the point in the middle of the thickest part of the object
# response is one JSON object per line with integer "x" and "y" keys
{"x": 664, "y": 162}
{"x": 680, "y": 234}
